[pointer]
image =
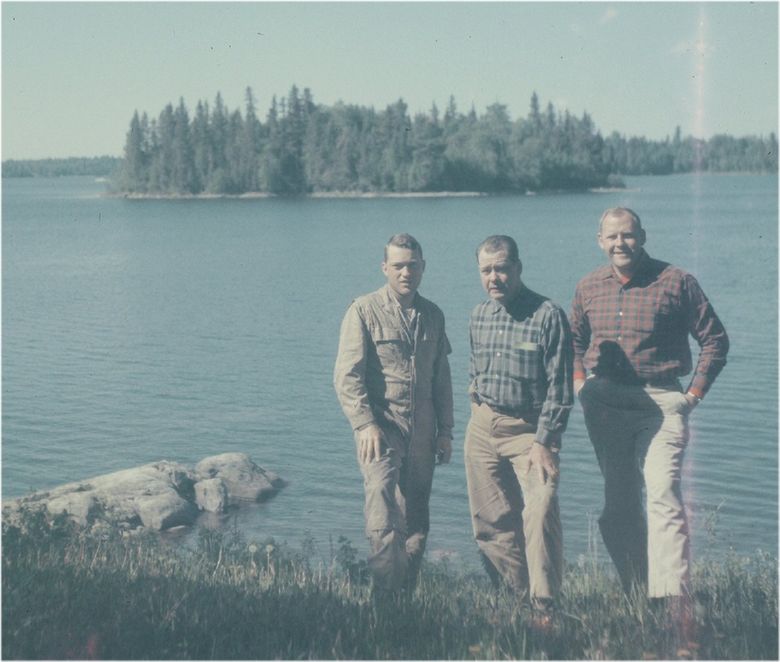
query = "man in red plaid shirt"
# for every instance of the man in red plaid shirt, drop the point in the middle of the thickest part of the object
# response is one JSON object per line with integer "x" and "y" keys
{"x": 630, "y": 324}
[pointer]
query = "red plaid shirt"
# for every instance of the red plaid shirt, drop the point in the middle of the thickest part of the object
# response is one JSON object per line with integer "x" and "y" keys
{"x": 637, "y": 331}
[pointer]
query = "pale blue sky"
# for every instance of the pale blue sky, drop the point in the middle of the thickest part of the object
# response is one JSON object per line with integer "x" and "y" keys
{"x": 73, "y": 73}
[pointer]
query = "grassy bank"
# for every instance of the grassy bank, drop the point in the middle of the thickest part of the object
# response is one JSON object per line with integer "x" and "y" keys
{"x": 72, "y": 596}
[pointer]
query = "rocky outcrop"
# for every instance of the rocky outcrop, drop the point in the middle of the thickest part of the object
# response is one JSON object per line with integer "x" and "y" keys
{"x": 157, "y": 496}
{"x": 242, "y": 478}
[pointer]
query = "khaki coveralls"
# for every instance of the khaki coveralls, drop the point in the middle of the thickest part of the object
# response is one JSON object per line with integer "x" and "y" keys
{"x": 401, "y": 382}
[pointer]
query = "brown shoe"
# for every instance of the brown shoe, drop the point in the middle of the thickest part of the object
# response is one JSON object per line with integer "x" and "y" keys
{"x": 542, "y": 616}
{"x": 542, "y": 623}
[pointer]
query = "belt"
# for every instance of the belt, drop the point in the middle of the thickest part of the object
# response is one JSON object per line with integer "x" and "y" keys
{"x": 664, "y": 382}
{"x": 531, "y": 417}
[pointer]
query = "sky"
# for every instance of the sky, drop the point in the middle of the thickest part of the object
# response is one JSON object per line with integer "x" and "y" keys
{"x": 73, "y": 73}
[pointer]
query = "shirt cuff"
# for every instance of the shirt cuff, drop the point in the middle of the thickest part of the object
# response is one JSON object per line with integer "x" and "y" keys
{"x": 699, "y": 386}
{"x": 548, "y": 438}
{"x": 360, "y": 422}
{"x": 695, "y": 391}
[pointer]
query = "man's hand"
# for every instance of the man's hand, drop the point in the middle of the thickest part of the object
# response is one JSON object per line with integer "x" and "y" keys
{"x": 578, "y": 384}
{"x": 443, "y": 450}
{"x": 370, "y": 440}
{"x": 544, "y": 461}
{"x": 692, "y": 399}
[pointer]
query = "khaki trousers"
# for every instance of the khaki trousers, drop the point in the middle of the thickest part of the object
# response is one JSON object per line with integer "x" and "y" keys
{"x": 639, "y": 434}
{"x": 398, "y": 489}
{"x": 515, "y": 516}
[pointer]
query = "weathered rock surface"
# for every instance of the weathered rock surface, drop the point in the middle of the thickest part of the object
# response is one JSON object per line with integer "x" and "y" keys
{"x": 158, "y": 496}
{"x": 244, "y": 480}
{"x": 211, "y": 495}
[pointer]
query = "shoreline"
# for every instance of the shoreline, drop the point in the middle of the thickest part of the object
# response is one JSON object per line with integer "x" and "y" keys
{"x": 319, "y": 194}
{"x": 353, "y": 195}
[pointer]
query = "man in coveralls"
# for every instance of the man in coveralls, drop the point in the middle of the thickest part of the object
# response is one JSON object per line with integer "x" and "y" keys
{"x": 392, "y": 378}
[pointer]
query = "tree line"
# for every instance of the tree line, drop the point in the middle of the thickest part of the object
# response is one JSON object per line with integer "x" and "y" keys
{"x": 721, "y": 153}
{"x": 302, "y": 147}
{"x": 97, "y": 166}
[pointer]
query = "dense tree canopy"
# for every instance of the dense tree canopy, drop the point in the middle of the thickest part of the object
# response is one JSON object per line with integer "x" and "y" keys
{"x": 301, "y": 147}
{"x": 304, "y": 147}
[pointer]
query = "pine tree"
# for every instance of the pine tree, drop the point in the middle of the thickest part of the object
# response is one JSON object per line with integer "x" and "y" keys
{"x": 183, "y": 174}
{"x": 135, "y": 166}
{"x": 426, "y": 172}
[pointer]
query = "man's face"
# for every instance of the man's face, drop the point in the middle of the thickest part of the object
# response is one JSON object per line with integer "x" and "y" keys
{"x": 622, "y": 239}
{"x": 500, "y": 275}
{"x": 404, "y": 270}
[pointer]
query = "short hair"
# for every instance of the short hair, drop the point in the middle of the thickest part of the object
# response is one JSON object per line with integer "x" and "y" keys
{"x": 620, "y": 212}
{"x": 404, "y": 240}
{"x": 500, "y": 242}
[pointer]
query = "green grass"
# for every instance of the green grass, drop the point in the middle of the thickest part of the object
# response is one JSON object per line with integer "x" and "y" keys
{"x": 69, "y": 595}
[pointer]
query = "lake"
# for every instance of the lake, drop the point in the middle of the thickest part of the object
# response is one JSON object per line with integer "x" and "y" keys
{"x": 140, "y": 330}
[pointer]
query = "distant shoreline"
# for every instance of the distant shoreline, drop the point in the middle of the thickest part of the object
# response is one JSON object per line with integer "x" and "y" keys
{"x": 348, "y": 195}
{"x": 320, "y": 194}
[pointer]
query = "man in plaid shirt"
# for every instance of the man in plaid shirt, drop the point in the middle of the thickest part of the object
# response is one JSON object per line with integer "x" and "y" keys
{"x": 630, "y": 323}
{"x": 521, "y": 392}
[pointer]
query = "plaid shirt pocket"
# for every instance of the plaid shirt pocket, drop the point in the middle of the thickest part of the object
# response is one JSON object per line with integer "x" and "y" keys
{"x": 527, "y": 362}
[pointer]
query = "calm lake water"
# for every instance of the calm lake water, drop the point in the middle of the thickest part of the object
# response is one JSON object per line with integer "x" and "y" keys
{"x": 139, "y": 330}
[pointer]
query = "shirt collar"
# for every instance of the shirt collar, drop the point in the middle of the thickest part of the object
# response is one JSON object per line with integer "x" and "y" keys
{"x": 641, "y": 267}
{"x": 391, "y": 302}
{"x": 494, "y": 307}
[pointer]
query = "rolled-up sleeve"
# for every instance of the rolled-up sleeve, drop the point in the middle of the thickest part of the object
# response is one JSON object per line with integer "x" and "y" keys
{"x": 558, "y": 362}
{"x": 350, "y": 371}
{"x": 708, "y": 331}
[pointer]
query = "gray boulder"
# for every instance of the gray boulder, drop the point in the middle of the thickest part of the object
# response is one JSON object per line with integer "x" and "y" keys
{"x": 158, "y": 496}
{"x": 83, "y": 507}
{"x": 165, "y": 510}
{"x": 211, "y": 495}
{"x": 244, "y": 480}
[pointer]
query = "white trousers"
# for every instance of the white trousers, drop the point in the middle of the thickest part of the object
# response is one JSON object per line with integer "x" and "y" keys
{"x": 640, "y": 434}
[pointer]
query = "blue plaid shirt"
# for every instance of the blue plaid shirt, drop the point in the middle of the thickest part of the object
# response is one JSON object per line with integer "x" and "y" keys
{"x": 521, "y": 362}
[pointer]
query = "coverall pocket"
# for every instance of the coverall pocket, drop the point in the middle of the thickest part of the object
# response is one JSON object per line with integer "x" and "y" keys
{"x": 389, "y": 343}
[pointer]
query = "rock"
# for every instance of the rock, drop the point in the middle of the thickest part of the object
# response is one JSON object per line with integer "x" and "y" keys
{"x": 211, "y": 495}
{"x": 244, "y": 480}
{"x": 83, "y": 507}
{"x": 157, "y": 496}
{"x": 166, "y": 510}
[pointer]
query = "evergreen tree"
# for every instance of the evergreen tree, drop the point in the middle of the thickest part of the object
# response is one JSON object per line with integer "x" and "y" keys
{"x": 397, "y": 152}
{"x": 249, "y": 147}
{"x": 427, "y": 166}
{"x": 135, "y": 169}
{"x": 201, "y": 145}
{"x": 294, "y": 130}
{"x": 183, "y": 173}
{"x": 219, "y": 180}
{"x": 306, "y": 147}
